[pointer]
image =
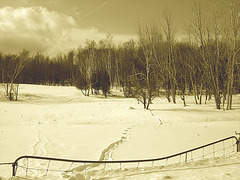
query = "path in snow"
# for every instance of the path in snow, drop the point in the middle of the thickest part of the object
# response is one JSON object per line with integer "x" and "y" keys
{"x": 39, "y": 147}
{"x": 106, "y": 154}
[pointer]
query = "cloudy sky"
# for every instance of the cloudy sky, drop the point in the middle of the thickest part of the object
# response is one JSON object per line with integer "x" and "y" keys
{"x": 54, "y": 26}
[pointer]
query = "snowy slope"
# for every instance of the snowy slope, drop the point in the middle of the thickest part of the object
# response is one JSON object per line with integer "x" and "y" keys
{"x": 60, "y": 122}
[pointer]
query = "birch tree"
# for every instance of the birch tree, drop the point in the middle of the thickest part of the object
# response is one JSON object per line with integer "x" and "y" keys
{"x": 208, "y": 38}
{"x": 169, "y": 31}
{"x": 146, "y": 79}
{"x": 12, "y": 69}
{"x": 234, "y": 48}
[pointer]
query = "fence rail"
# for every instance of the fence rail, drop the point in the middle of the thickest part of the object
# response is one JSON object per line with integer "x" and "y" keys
{"x": 49, "y": 159}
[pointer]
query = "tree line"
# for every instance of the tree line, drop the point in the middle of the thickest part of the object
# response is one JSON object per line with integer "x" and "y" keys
{"x": 205, "y": 64}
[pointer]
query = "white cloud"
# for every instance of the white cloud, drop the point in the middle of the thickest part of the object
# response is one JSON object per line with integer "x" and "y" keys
{"x": 33, "y": 28}
{"x": 38, "y": 29}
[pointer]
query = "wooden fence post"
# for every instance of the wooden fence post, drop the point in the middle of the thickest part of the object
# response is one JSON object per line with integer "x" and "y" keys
{"x": 238, "y": 144}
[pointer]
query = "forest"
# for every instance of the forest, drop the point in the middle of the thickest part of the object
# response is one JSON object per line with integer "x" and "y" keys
{"x": 205, "y": 64}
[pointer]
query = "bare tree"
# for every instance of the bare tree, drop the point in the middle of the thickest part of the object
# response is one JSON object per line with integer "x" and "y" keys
{"x": 86, "y": 66}
{"x": 182, "y": 73}
{"x": 208, "y": 37}
{"x": 146, "y": 79}
{"x": 234, "y": 48}
{"x": 70, "y": 63}
{"x": 127, "y": 56}
{"x": 12, "y": 68}
{"x": 169, "y": 31}
{"x": 81, "y": 77}
{"x": 107, "y": 48}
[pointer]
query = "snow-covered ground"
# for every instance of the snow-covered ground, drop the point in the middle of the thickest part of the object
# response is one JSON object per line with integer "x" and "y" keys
{"x": 60, "y": 122}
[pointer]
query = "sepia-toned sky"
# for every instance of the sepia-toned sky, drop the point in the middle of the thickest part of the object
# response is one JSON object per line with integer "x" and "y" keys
{"x": 54, "y": 26}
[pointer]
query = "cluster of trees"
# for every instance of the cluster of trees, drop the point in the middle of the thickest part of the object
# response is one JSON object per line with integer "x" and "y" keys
{"x": 206, "y": 63}
{"x": 11, "y": 67}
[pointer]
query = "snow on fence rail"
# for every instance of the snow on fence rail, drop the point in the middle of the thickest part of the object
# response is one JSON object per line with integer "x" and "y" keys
{"x": 218, "y": 148}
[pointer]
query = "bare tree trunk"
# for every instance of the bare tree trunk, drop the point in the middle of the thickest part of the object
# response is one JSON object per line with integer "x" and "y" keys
{"x": 167, "y": 95}
{"x": 206, "y": 96}
{"x": 200, "y": 93}
{"x": 224, "y": 99}
{"x": 183, "y": 98}
{"x": 7, "y": 89}
{"x": 173, "y": 92}
{"x": 11, "y": 92}
{"x": 16, "y": 93}
{"x": 194, "y": 88}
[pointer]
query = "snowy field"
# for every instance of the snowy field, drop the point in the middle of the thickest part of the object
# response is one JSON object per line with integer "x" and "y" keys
{"x": 60, "y": 122}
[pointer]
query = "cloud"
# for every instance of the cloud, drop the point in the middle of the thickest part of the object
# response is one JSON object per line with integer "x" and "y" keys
{"x": 38, "y": 29}
{"x": 33, "y": 28}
